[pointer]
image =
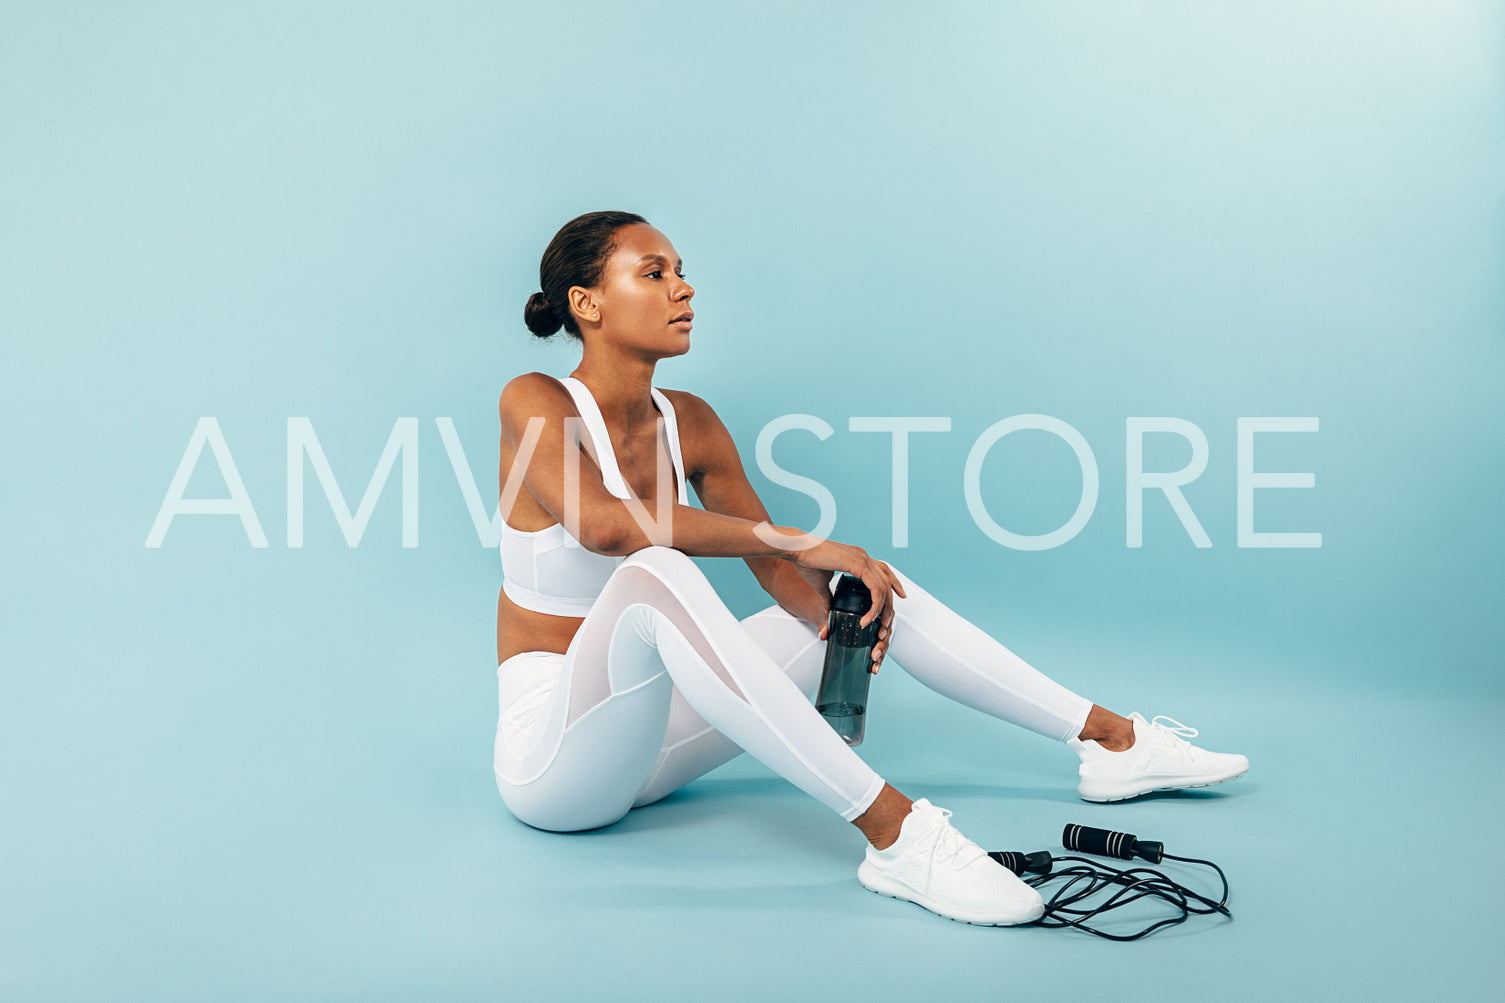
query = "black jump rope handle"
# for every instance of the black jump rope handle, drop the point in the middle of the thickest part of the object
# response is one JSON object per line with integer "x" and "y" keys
{"x": 1037, "y": 862}
{"x": 1123, "y": 845}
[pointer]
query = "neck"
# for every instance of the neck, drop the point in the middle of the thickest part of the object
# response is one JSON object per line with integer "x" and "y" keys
{"x": 620, "y": 386}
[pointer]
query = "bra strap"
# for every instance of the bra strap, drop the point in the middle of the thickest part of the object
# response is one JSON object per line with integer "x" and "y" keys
{"x": 595, "y": 427}
{"x": 671, "y": 426}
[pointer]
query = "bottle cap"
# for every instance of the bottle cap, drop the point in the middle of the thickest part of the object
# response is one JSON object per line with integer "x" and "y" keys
{"x": 851, "y": 596}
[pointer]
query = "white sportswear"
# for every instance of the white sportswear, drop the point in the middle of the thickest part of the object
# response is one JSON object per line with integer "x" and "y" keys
{"x": 662, "y": 683}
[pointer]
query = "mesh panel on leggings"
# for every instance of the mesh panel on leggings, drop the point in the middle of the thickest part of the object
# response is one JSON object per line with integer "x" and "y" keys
{"x": 632, "y": 586}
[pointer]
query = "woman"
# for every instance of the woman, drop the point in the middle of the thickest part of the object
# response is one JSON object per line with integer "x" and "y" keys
{"x": 623, "y": 676}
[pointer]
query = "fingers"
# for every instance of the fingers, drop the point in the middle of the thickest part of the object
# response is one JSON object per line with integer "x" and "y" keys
{"x": 885, "y": 627}
{"x": 878, "y": 590}
{"x": 882, "y": 602}
{"x": 894, "y": 578}
{"x": 886, "y": 624}
{"x": 885, "y": 633}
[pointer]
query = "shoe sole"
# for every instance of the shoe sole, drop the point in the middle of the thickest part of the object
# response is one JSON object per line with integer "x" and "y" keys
{"x": 904, "y": 893}
{"x": 1152, "y": 790}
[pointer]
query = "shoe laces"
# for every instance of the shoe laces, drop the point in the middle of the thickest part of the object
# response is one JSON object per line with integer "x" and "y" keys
{"x": 950, "y": 844}
{"x": 1173, "y": 733}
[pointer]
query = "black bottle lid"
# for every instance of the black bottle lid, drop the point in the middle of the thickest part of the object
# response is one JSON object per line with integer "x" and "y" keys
{"x": 851, "y": 596}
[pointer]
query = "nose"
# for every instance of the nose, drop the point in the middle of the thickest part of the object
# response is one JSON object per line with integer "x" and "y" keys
{"x": 683, "y": 291}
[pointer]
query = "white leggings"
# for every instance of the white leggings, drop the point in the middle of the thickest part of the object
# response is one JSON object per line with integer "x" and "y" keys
{"x": 662, "y": 683}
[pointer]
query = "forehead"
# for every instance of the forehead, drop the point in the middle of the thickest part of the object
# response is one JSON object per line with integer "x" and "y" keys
{"x": 638, "y": 241}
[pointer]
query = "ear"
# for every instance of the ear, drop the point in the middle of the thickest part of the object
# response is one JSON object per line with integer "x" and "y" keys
{"x": 584, "y": 306}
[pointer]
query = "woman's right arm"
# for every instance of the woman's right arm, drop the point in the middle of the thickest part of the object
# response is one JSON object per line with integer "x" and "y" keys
{"x": 606, "y": 524}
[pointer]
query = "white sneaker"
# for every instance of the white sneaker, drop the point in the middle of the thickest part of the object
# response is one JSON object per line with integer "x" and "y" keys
{"x": 1160, "y": 759}
{"x": 933, "y": 865}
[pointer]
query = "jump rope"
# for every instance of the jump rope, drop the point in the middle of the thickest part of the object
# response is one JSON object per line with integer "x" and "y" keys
{"x": 1068, "y": 905}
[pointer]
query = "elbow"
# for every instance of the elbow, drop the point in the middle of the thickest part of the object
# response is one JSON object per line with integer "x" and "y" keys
{"x": 601, "y": 533}
{"x": 616, "y": 532}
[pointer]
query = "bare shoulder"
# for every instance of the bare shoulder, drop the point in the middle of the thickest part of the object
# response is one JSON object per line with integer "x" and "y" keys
{"x": 688, "y": 408}
{"x": 529, "y": 388}
{"x": 706, "y": 442}
{"x": 695, "y": 416}
{"x": 531, "y": 395}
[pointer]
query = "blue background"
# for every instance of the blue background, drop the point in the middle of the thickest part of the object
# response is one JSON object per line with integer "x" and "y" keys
{"x": 241, "y": 773}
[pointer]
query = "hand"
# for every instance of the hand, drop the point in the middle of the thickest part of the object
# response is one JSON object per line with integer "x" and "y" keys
{"x": 884, "y": 630}
{"x": 816, "y": 563}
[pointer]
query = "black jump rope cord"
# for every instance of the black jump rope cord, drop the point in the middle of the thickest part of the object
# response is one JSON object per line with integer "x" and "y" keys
{"x": 1135, "y": 883}
{"x": 1065, "y": 906}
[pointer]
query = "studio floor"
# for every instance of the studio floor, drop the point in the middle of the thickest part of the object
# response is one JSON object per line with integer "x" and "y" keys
{"x": 345, "y": 841}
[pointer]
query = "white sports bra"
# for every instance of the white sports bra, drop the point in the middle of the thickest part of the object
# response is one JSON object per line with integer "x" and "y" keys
{"x": 547, "y": 570}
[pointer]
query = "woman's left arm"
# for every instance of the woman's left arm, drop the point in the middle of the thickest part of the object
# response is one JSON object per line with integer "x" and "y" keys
{"x": 714, "y": 467}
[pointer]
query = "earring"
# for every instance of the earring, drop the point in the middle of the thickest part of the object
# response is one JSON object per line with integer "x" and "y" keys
{"x": 595, "y": 316}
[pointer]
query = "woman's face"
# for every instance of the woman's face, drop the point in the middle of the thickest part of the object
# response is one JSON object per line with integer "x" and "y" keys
{"x": 643, "y": 298}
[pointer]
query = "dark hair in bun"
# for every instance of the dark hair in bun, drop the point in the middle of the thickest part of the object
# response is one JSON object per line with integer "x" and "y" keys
{"x": 575, "y": 257}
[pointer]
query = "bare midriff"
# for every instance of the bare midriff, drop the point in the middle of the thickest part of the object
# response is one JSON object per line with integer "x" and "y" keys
{"x": 519, "y": 629}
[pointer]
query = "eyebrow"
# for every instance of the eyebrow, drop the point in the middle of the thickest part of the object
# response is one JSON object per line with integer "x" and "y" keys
{"x": 659, "y": 257}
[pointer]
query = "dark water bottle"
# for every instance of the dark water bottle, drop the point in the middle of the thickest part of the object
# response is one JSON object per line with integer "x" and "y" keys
{"x": 842, "y": 697}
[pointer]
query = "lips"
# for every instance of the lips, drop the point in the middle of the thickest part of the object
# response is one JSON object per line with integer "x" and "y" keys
{"x": 688, "y": 315}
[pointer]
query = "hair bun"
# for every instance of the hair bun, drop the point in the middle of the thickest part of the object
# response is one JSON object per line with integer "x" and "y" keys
{"x": 540, "y": 317}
